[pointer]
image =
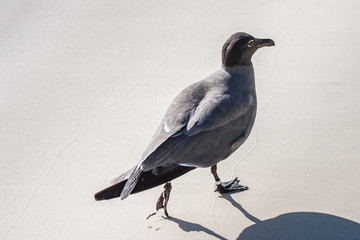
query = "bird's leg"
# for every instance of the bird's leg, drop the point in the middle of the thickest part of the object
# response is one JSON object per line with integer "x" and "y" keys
{"x": 224, "y": 187}
{"x": 164, "y": 198}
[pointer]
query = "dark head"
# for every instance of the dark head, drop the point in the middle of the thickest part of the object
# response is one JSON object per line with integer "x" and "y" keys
{"x": 240, "y": 47}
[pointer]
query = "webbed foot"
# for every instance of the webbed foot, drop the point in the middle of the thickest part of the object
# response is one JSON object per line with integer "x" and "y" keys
{"x": 230, "y": 186}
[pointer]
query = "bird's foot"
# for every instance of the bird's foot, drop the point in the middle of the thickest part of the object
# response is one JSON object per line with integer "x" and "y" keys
{"x": 162, "y": 201}
{"x": 159, "y": 205}
{"x": 231, "y": 186}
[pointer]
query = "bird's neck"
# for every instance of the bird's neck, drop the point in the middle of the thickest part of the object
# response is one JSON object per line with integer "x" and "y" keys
{"x": 244, "y": 74}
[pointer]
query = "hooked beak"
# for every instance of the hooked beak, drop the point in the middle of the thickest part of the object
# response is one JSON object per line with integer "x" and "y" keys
{"x": 264, "y": 43}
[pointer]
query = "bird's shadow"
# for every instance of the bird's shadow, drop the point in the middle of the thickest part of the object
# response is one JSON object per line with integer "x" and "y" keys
{"x": 303, "y": 225}
{"x": 240, "y": 208}
{"x": 294, "y": 225}
{"x": 194, "y": 227}
{"x": 298, "y": 225}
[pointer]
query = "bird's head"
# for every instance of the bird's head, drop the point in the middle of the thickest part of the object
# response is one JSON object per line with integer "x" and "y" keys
{"x": 240, "y": 47}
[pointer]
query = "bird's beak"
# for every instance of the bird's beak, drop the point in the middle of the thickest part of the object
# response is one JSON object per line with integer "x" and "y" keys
{"x": 264, "y": 43}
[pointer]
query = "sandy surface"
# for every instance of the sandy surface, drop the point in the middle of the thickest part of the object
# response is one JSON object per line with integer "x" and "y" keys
{"x": 84, "y": 84}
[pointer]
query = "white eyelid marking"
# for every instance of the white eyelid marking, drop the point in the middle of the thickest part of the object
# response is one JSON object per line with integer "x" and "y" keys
{"x": 251, "y": 43}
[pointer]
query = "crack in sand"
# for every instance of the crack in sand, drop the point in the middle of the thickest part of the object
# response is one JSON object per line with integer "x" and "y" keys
{"x": 247, "y": 154}
{"x": 54, "y": 161}
{"x": 279, "y": 48}
{"x": 183, "y": 35}
{"x": 213, "y": 211}
{"x": 41, "y": 183}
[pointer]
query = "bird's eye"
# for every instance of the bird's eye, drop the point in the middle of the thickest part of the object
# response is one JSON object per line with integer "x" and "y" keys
{"x": 251, "y": 43}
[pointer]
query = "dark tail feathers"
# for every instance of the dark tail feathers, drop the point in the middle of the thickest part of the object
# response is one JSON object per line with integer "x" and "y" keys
{"x": 146, "y": 181}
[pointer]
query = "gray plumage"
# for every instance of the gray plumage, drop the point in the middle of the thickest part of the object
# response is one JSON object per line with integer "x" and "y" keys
{"x": 208, "y": 120}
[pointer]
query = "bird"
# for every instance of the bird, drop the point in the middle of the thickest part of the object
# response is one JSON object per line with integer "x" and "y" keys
{"x": 204, "y": 124}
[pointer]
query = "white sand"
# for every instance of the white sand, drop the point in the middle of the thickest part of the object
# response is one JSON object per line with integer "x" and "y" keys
{"x": 84, "y": 84}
